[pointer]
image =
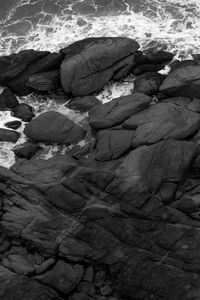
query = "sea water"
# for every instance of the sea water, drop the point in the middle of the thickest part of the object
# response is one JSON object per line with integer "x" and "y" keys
{"x": 171, "y": 25}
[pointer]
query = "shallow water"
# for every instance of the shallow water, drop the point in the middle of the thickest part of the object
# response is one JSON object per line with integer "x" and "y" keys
{"x": 50, "y": 25}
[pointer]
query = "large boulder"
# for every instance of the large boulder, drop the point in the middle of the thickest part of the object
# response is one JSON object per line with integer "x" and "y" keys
{"x": 83, "y": 104}
{"x": 183, "y": 80}
{"x": 162, "y": 121}
{"x": 45, "y": 81}
{"x": 118, "y": 110}
{"x": 89, "y": 64}
{"x": 53, "y": 127}
{"x": 148, "y": 83}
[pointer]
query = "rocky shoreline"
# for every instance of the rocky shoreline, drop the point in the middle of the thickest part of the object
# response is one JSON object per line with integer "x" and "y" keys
{"x": 117, "y": 218}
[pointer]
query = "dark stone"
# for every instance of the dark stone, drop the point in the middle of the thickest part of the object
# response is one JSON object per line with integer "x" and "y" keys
{"x": 8, "y": 100}
{"x": 162, "y": 121}
{"x": 46, "y": 81}
{"x": 147, "y": 68}
{"x": 183, "y": 81}
{"x": 8, "y": 135}
{"x": 112, "y": 144}
{"x": 117, "y": 110}
{"x": 83, "y": 104}
{"x": 53, "y": 127}
{"x": 49, "y": 62}
{"x": 63, "y": 277}
{"x": 13, "y": 65}
{"x": 24, "y": 112}
{"x": 159, "y": 57}
{"x": 27, "y": 150}
{"x": 148, "y": 83}
{"x": 89, "y": 64}
{"x": 13, "y": 124}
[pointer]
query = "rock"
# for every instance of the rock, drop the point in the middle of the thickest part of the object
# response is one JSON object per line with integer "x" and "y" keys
{"x": 83, "y": 104}
{"x": 8, "y": 135}
{"x": 112, "y": 144}
{"x": 117, "y": 110}
{"x": 162, "y": 121}
{"x": 147, "y": 68}
{"x": 27, "y": 150}
{"x": 106, "y": 290}
{"x": 89, "y": 274}
{"x": 63, "y": 277}
{"x": 53, "y": 127}
{"x": 21, "y": 288}
{"x": 159, "y": 57}
{"x": 24, "y": 112}
{"x": 13, "y": 124}
{"x": 13, "y": 65}
{"x": 19, "y": 264}
{"x": 88, "y": 288}
{"x": 89, "y": 64}
{"x": 183, "y": 81}
{"x": 148, "y": 83}
{"x": 44, "y": 266}
{"x": 100, "y": 278}
{"x": 45, "y": 81}
{"x": 8, "y": 100}
{"x": 80, "y": 296}
{"x": 4, "y": 243}
{"x": 49, "y": 62}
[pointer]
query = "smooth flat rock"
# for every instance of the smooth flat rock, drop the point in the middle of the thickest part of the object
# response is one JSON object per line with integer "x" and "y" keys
{"x": 118, "y": 110}
{"x": 162, "y": 121}
{"x": 89, "y": 64}
{"x": 53, "y": 127}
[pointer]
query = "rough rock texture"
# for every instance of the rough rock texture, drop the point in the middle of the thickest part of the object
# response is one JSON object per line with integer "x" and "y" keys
{"x": 53, "y": 127}
{"x": 162, "y": 121}
{"x": 148, "y": 83}
{"x": 183, "y": 80}
{"x": 46, "y": 81}
{"x": 27, "y": 150}
{"x": 83, "y": 104}
{"x": 24, "y": 112}
{"x": 116, "y": 111}
{"x": 121, "y": 214}
{"x": 112, "y": 144}
{"x": 8, "y": 100}
{"x": 89, "y": 64}
{"x": 8, "y": 135}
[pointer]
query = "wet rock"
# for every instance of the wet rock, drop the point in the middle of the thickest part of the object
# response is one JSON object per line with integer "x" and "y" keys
{"x": 19, "y": 264}
{"x": 63, "y": 277}
{"x": 159, "y": 57}
{"x": 13, "y": 65}
{"x": 27, "y": 150}
{"x": 53, "y": 127}
{"x": 183, "y": 81}
{"x": 80, "y": 296}
{"x": 49, "y": 62}
{"x": 4, "y": 243}
{"x": 89, "y": 274}
{"x": 148, "y": 83}
{"x": 83, "y": 104}
{"x": 87, "y": 288}
{"x": 162, "y": 121}
{"x": 13, "y": 124}
{"x": 147, "y": 68}
{"x": 112, "y": 144}
{"x": 117, "y": 110}
{"x": 24, "y": 112}
{"x": 46, "y": 81}
{"x": 8, "y": 100}
{"x": 8, "y": 135}
{"x": 44, "y": 266}
{"x": 106, "y": 290}
{"x": 89, "y": 64}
